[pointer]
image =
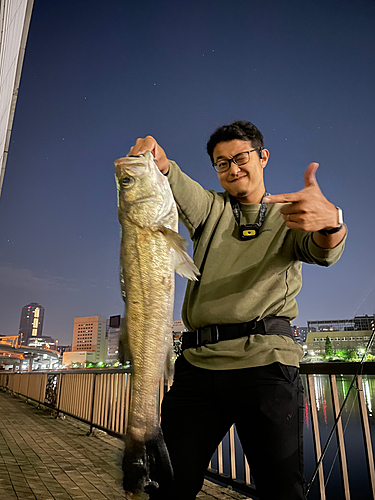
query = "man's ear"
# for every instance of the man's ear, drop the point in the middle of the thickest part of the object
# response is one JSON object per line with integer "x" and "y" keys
{"x": 265, "y": 154}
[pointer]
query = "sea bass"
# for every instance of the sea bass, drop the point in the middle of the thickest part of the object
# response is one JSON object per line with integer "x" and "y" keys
{"x": 151, "y": 250}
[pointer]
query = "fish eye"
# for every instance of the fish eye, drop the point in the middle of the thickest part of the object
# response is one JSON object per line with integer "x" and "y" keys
{"x": 127, "y": 182}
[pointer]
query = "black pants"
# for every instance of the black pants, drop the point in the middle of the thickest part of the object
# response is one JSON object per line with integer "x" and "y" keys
{"x": 266, "y": 405}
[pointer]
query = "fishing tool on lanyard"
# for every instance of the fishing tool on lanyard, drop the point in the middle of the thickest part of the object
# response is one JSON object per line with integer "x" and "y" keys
{"x": 359, "y": 370}
{"x": 248, "y": 231}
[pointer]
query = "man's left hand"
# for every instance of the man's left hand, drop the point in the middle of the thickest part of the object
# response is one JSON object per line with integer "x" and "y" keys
{"x": 308, "y": 209}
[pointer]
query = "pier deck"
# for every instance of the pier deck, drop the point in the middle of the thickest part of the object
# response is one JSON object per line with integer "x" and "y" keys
{"x": 44, "y": 458}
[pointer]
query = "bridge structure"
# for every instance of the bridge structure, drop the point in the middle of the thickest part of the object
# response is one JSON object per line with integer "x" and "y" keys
{"x": 12, "y": 353}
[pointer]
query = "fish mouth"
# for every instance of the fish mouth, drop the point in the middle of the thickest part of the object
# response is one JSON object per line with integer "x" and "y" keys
{"x": 146, "y": 199}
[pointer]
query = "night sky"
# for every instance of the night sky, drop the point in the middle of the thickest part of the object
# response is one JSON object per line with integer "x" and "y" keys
{"x": 97, "y": 75}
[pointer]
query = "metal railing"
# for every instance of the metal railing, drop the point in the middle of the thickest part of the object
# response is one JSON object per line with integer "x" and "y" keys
{"x": 100, "y": 398}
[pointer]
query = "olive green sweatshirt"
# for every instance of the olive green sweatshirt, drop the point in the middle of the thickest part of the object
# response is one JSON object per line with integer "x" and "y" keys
{"x": 241, "y": 280}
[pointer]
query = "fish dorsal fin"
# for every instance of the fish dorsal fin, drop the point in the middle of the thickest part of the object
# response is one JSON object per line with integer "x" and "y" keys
{"x": 184, "y": 264}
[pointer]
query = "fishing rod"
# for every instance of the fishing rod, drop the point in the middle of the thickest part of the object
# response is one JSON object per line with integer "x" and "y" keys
{"x": 359, "y": 369}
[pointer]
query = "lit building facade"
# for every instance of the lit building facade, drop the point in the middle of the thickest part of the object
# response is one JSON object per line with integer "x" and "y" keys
{"x": 63, "y": 348}
{"x": 31, "y": 324}
{"x": 299, "y": 333}
{"x": 114, "y": 331}
{"x": 358, "y": 323}
{"x": 178, "y": 328}
{"x": 354, "y": 339}
{"x": 90, "y": 336}
{"x": 43, "y": 342}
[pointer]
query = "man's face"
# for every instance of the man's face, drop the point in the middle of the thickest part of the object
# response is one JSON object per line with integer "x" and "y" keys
{"x": 245, "y": 182}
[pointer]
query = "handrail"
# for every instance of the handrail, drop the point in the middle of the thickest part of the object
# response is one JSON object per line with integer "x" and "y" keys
{"x": 100, "y": 398}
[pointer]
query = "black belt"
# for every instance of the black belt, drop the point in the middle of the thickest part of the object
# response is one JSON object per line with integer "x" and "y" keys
{"x": 211, "y": 334}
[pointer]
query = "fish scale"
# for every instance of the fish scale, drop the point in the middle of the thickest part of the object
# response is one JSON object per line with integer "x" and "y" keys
{"x": 149, "y": 309}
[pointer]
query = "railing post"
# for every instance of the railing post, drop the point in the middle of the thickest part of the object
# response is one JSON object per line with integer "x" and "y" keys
{"x": 340, "y": 439}
{"x": 316, "y": 435}
{"x": 92, "y": 405}
{"x": 60, "y": 375}
{"x": 366, "y": 435}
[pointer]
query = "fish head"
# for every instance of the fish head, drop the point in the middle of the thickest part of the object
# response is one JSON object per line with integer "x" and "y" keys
{"x": 144, "y": 194}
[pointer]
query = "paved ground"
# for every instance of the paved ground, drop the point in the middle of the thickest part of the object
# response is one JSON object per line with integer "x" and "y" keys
{"x": 43, "y": 458}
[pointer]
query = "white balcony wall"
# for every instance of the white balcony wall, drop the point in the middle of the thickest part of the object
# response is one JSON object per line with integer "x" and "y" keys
{"x": 14, "y": 27}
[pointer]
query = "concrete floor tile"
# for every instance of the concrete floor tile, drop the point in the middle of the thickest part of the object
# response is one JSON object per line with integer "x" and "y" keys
{"x": 53, "y": 459}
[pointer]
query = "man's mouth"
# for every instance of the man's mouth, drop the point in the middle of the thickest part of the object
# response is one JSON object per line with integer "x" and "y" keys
{"x": 238, "y": 178}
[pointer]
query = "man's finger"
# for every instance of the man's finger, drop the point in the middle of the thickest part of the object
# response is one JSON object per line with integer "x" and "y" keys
{"x": 309, "y": 175}
{"x": 282, "y": 198}
{"x": 290, "y": 208}
{"x": 142, "y": 145}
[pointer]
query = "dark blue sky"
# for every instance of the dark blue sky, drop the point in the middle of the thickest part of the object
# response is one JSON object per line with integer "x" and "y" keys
{"x": 97, "y": 75}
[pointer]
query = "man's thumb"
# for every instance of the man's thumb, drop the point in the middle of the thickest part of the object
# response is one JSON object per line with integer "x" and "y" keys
{"x": 310, "y": 179}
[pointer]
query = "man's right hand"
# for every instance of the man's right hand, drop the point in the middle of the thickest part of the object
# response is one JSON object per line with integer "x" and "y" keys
{"x": 149, "y": 144}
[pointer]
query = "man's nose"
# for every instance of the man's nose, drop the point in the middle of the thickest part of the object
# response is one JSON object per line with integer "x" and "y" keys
{"x": 234, "y": 168}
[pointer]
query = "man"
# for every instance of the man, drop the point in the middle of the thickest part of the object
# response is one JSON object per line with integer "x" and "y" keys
{"x": 240, "y": 363}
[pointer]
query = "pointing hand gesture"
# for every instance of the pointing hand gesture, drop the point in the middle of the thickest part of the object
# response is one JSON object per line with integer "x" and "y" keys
{"x": 308, "y": 209}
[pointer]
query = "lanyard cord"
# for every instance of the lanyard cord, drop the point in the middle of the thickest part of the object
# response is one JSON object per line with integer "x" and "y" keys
{"x": 359, "y": 369}
{"x": 237, "y": 211}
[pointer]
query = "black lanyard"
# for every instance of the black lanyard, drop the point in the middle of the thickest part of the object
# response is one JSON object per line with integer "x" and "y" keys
{"x": 248, "y": 231}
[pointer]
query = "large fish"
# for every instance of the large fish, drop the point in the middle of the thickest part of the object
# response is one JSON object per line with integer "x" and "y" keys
{"x": 151, "y": 250}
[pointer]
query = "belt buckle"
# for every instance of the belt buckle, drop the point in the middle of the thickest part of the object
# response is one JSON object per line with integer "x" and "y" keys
{"x": 207, "y": 335}
{"x": 203, "y": 336}
{"x": 214, "y": 334}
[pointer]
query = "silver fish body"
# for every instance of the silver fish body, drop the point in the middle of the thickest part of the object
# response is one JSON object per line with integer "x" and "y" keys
{"x": 151, "y": 250}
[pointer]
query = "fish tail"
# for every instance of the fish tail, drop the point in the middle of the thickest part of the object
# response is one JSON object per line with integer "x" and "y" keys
{"x": 146, "y": 466}
{"x": 134, "y": 466}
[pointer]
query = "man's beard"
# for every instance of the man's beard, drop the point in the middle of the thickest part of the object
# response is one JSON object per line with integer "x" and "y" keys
{"x": 241, "y": 194}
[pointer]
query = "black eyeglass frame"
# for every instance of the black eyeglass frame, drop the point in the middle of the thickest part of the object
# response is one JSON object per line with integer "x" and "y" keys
{"x": 230, "y": 160}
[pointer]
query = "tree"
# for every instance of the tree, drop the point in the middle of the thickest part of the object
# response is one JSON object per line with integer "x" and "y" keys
{"x": 328, "y": 347}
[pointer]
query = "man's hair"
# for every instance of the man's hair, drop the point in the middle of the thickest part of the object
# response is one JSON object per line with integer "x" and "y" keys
{"x": 245, "y": 131}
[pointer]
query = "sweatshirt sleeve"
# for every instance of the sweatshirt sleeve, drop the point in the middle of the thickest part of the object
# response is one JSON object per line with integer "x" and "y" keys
{"x": 193, "y": 202}
{"x": 308, "y": 251}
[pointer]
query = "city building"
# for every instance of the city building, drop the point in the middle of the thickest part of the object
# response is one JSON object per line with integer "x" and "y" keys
{"x": 43, "y": 342}
{"x": 31, "y": 323}
{"x": 89, "y": 340}
{"x": 114, "y": 331}
{"x": 357, "y": 323}
{"x": 178, "y": 328}
{"x": 349, "y": 339}
{"x": 63, "y": 348}
{"x": 299, "y": 333}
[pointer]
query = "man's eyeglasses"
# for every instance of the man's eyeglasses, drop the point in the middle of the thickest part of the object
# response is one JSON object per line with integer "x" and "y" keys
{"x": 224, "y": 164}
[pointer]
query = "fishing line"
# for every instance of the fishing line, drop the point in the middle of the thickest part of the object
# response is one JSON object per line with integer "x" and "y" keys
{"x": 371, "y": 289}
{"x": 359, "y": 369}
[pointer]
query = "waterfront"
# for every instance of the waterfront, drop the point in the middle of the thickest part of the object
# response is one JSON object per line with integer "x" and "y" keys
{"x": 351, "y": 422}
{"x": 98, "y": 398}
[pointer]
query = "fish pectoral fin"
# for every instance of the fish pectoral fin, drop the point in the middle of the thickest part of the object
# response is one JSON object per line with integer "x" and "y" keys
{"x": 184, "y": 264}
